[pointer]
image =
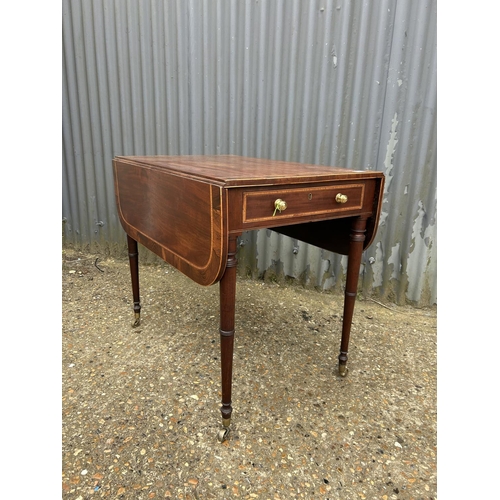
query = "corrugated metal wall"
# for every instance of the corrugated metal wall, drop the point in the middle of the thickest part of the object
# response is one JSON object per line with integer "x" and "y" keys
{"x": 348, "y": 83}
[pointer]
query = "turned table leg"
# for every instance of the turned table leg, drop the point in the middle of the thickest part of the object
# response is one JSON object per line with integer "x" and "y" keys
{"x": 356, "y": 240}
{"x": 133, "y": 256}
{"x": 227, "y": 287}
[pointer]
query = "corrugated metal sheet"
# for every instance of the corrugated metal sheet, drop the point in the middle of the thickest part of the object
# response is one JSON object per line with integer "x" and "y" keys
{"x": 349, "y": 83}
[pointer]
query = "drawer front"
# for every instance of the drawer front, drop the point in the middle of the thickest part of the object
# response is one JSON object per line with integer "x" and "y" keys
{"x": 302, "y": 202}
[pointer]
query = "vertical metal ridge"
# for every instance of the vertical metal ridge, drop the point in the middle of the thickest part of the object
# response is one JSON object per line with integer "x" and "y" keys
{"x": 351, "y": 84}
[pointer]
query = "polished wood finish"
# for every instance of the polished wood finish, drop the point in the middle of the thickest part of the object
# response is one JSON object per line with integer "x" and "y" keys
{"x": 178, "y": 218}
{"x": 309, "y": 202}
{"x": 190, "y": 210}
{"x": 356, "y": 239}
{"x": 133, "y": 255}
{"x": 237, "y": 171}
{"x": 227, "y": 291}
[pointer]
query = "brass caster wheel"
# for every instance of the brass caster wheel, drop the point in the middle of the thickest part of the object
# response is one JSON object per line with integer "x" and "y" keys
{"x": 223, "y": 434}
{"x": 343, "y": 370}
{"x": 137, "y": 321}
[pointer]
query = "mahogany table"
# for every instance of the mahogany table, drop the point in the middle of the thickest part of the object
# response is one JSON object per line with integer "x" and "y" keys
{"x": 190, "y": 210}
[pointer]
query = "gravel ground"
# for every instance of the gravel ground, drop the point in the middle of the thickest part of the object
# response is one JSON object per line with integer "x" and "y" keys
{"x": 141, "y": 406}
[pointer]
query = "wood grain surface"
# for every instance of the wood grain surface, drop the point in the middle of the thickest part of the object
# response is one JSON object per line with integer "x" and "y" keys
{"x": 183, "y": 208}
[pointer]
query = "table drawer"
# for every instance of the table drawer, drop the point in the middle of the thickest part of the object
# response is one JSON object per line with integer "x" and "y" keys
{"x": 302, "y": 202}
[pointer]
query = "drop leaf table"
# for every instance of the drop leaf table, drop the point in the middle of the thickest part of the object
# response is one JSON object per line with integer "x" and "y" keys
{"x": 190, "y": 210}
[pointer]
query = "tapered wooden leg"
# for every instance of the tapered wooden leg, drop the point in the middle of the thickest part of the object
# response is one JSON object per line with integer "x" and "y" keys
{"x": 227, "y": 288}
{"x": 133, "y": 256}
{"x": 356, "y": 239}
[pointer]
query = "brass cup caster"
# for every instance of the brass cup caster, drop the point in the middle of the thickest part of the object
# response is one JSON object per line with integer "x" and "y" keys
{"x": 343, "y": 370}
{"x": 223, "y": 434}
{"x": 137, "y": 321}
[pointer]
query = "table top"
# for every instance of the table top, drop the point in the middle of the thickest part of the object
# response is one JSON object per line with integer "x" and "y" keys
{"x": 184, "y": 208}
{"x": 237, "y": 171}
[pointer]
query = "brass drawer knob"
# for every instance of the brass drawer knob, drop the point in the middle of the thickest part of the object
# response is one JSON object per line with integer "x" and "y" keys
{"x": 341, "y": 198}
{"x": 279, "y": 205}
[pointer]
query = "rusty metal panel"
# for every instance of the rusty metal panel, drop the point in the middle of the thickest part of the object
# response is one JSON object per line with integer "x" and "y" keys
{"x": 325, "y": 82}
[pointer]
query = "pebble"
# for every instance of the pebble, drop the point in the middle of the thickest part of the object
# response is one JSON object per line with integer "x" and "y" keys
{"x": 129, "y": 381}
